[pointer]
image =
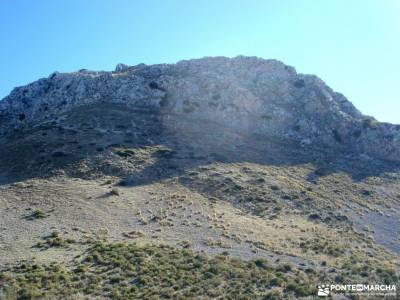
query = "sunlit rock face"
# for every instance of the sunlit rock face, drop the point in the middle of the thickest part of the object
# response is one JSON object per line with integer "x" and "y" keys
{"x": 247, "y": 95}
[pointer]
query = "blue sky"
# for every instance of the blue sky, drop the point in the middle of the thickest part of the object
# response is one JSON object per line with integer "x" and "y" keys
{"x": 352, "y": 45}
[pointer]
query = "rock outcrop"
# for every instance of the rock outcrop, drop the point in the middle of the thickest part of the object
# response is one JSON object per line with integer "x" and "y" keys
{"x": 246, "y": 94}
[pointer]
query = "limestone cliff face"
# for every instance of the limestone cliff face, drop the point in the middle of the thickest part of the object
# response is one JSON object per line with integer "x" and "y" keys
{"x": 245, "y": 94}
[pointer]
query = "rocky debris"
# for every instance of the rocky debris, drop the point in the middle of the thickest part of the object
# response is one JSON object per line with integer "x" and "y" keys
{"x": 115, "y": 192}
{"x": 248, "y": 95}
{"x": 121, "y": 68}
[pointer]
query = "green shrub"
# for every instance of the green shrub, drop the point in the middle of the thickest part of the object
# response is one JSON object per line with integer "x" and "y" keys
{"x": 36, "y": 214}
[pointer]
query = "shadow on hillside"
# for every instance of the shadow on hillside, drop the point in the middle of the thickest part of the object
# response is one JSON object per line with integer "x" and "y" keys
{"x": 189, "y": 153}
{"x": 89, "y": 133}
{"x": 178, "y": 165}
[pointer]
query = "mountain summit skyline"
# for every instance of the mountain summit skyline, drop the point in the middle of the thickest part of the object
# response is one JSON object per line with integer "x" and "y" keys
{"x": 359, "y": 59}
{"x": 261, "y": 96}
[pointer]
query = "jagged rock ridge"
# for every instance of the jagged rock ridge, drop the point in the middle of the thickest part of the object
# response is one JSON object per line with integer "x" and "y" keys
{"x": 246, "y": 94}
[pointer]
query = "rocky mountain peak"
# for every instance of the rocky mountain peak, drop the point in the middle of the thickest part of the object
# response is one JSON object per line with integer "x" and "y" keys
{"x": 248, "y": 95}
